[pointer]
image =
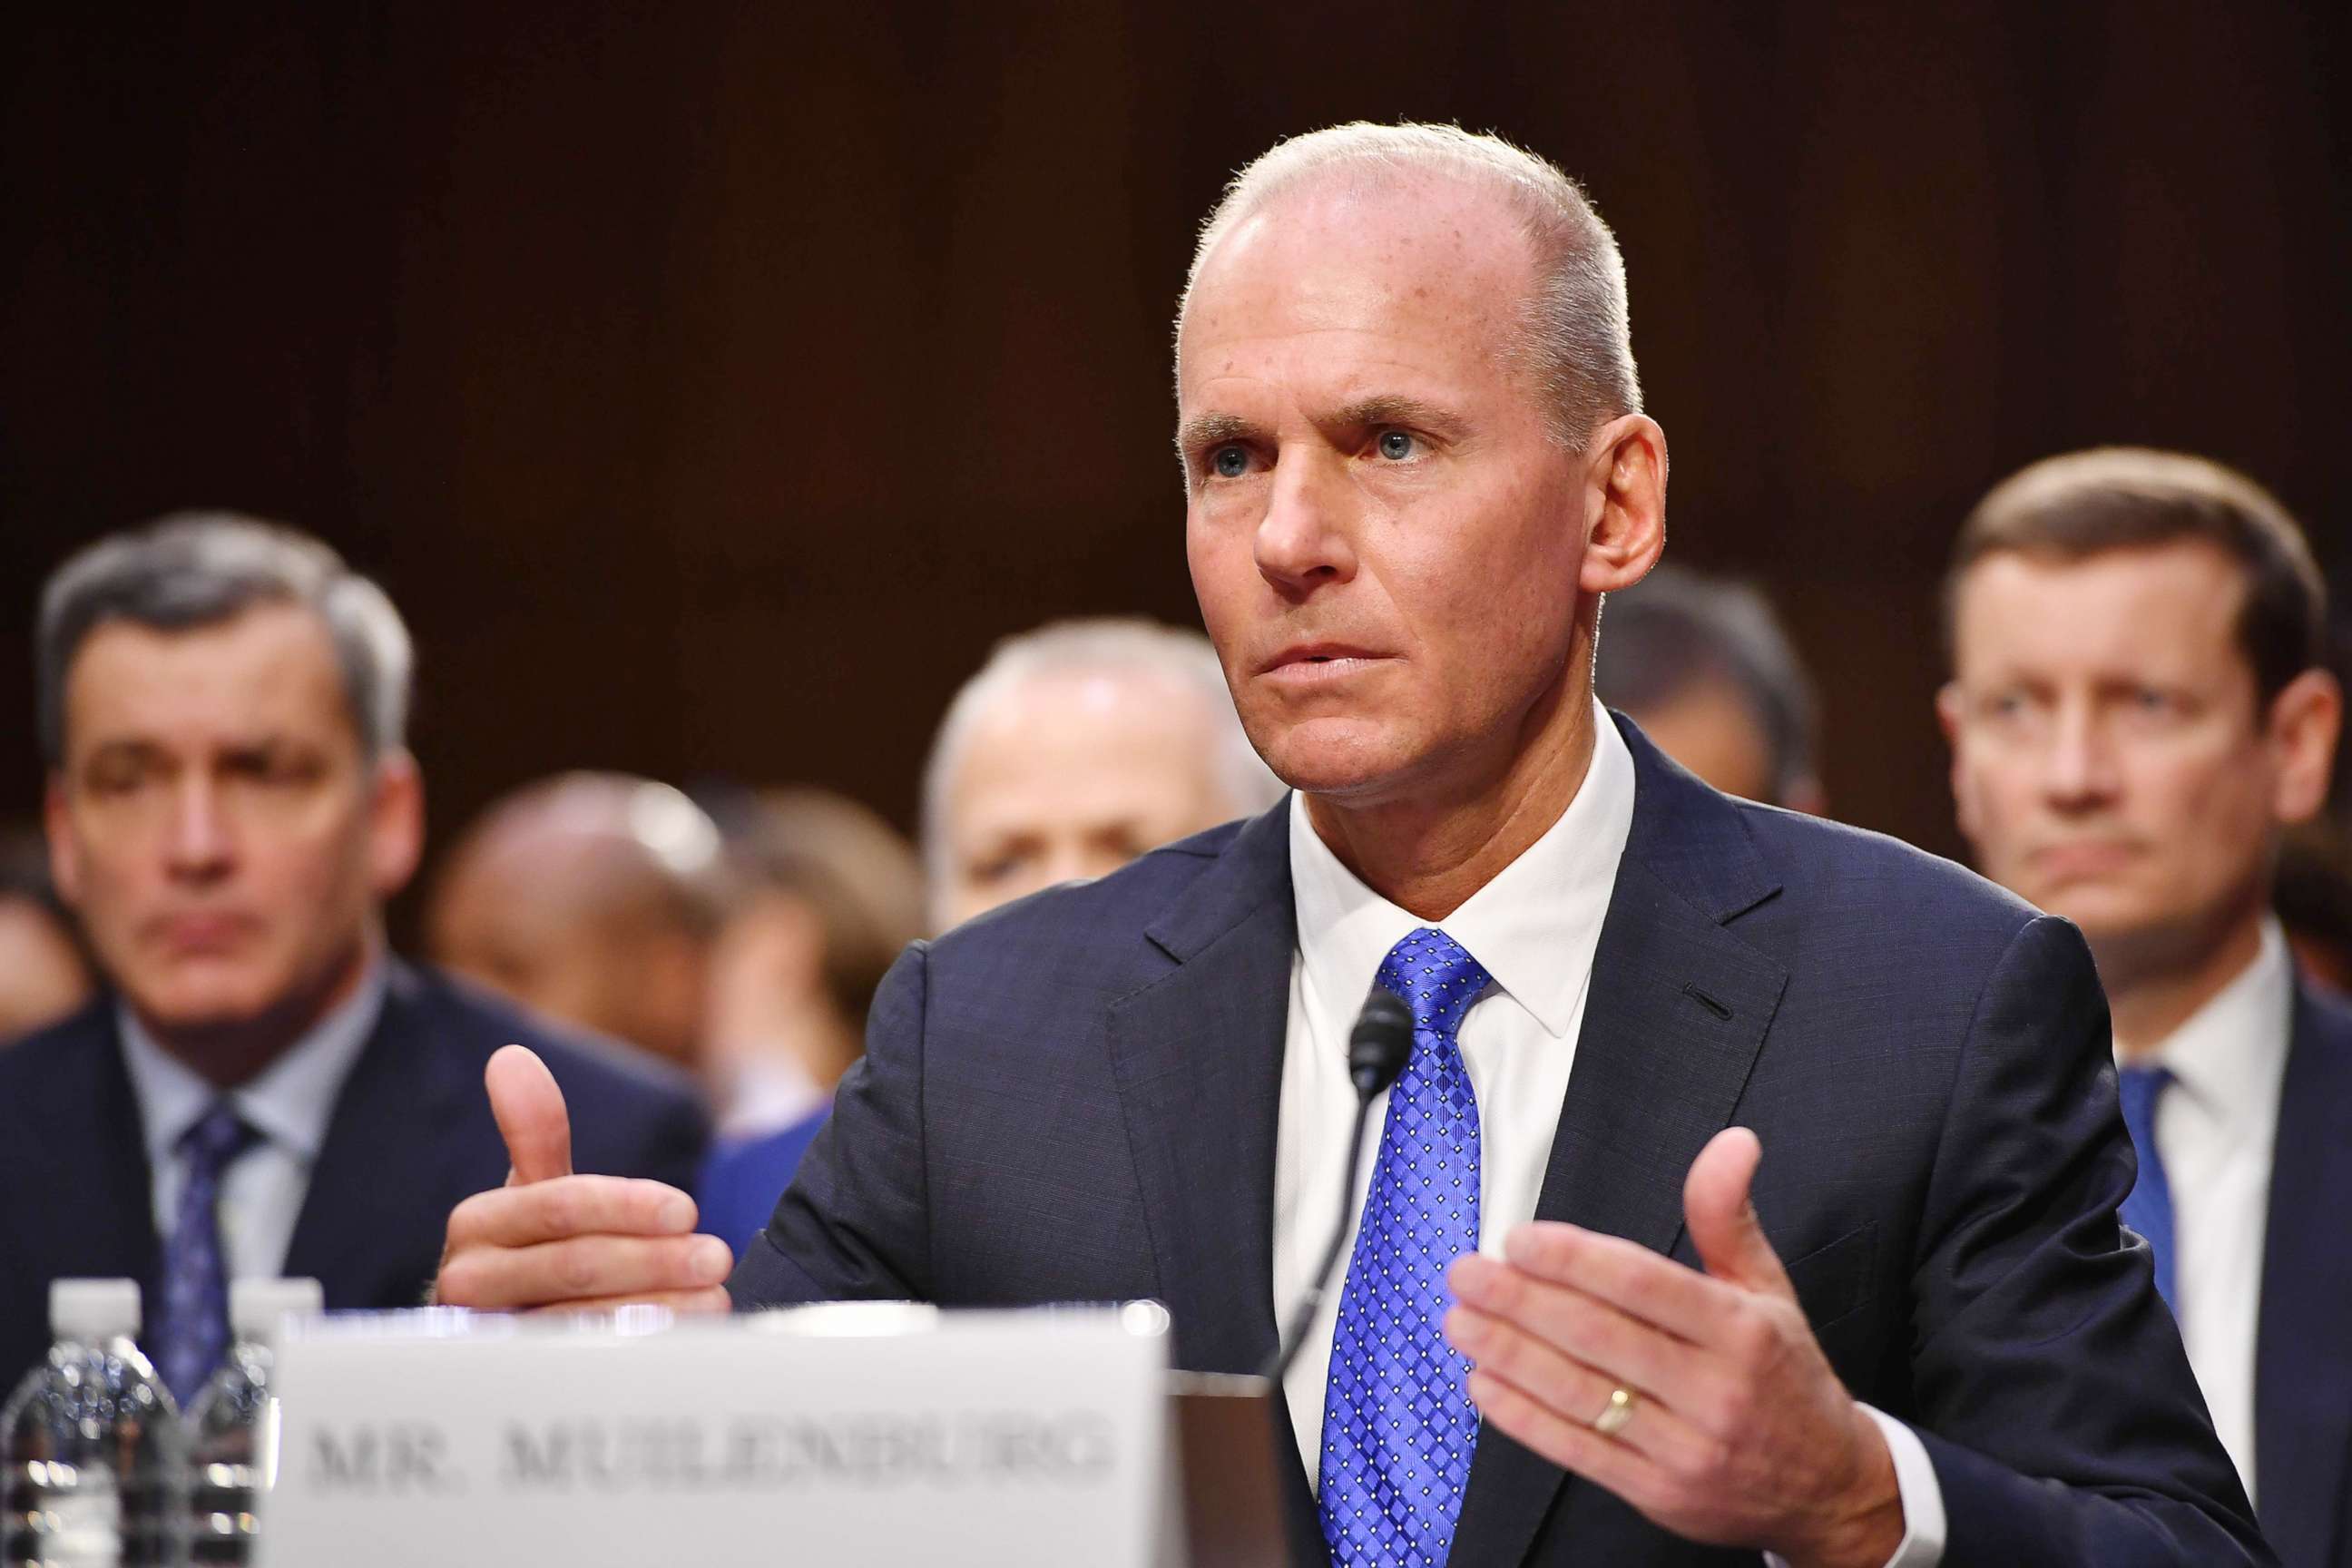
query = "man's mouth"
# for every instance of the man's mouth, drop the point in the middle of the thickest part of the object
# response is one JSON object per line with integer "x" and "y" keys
{"x": 1320, "y": 661}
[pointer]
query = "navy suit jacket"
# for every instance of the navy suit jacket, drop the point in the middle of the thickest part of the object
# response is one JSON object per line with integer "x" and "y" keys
{"x": 411, "y": 1136}
{"x": 2303, "y": 1341}
{"x": 1075, "y": 1099}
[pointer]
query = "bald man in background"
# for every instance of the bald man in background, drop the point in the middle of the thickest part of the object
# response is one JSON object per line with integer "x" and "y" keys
{"x": 591, "y": 899}
{"x": 1075, "y": 749}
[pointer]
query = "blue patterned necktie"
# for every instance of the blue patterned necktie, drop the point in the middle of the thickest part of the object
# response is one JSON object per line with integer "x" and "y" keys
{"x": 2149, "y": 1209}
{"x": 194, "y": 1328}
{"x": 1398, "y": 1426}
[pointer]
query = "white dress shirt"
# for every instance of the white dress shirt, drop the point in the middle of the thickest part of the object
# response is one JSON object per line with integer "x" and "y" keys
{"x": 2216, "y": 1127}
{"x": 1533, "y": 928}
{"x": 287, "y": 1103}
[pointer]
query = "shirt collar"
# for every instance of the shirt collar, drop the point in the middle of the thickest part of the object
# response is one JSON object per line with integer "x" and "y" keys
{"x": 1543, "y": 908}
{"x": 288, "y": 1102}
{"x": 2230, "y": 1054}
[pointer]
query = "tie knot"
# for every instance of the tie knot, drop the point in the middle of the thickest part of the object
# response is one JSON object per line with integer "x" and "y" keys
{"x": 218, "y": 1137}
{"x": 1435, "y": 976}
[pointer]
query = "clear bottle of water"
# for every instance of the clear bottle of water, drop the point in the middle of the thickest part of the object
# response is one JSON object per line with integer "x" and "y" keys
{"x": 232, "y": 1424}
{"x": 90, "y": 1443}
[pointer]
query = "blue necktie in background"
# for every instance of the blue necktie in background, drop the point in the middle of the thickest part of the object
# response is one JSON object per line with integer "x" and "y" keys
{"x": 194, "y": 1330}
{"x": 1398, "y": 1426}
{"x": 2149, "y": 1209}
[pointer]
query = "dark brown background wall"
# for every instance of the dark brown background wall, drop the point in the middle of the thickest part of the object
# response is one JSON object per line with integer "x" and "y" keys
{"x": 712, "y": 384}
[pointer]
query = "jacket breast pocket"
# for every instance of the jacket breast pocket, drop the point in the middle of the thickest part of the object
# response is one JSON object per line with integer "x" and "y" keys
{"x": 1839, "y": 1280}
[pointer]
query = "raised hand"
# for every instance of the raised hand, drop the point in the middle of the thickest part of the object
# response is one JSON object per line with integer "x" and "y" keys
{"x": 552, "y": 1240}
{"x": 1731, "y": 1426}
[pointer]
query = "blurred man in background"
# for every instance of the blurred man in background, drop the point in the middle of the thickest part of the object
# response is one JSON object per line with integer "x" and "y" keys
{"x": 44, "y": 974}
{"x": 1076, "y": 748}
{"x": 264, "y": 1088}
{"x": 593, "y": 900}
{"x": 2136, "y": 712}
{"x": 826, "y": 896}
{"x": 1702, "y": 665}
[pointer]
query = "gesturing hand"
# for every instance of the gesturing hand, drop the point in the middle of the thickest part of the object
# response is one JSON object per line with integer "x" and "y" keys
{"x": 1739, "y": 1433}
{"x": 550, "y": 1240}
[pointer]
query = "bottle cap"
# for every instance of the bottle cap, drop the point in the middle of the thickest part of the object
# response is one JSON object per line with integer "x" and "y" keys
{"x": 258, "y": 1309}
{"x": 89, "y": 1310}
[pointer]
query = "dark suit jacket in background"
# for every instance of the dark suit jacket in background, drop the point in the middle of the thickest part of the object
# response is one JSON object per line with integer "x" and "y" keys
{"x": 411, "y": 1136}
{"x": 2302, "y": 1342}
{"x": 1075, "y": 1099}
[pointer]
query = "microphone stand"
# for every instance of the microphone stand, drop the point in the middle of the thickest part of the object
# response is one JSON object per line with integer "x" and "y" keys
{"x": 1376, "y": 1049}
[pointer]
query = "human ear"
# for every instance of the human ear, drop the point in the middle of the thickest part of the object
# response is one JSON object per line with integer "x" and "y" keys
{"x": 1625, "y": 489}
{"x": 395, "y": 822}
{"x": 2304, "y": 722}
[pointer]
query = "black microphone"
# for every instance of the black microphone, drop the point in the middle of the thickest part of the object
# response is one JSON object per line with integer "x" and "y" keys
{"x": 1377, "y": 1049}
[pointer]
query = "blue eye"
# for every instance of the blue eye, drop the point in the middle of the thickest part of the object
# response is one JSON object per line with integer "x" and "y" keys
{"x": 1230, "y": 462}
{"x": 1396, "y": 445}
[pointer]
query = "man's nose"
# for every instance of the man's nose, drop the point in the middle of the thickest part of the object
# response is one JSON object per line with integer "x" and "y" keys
{"x": 198, "y": 840}
{"x": 2079, "y": 769}
{"x": 1304, "y": 539}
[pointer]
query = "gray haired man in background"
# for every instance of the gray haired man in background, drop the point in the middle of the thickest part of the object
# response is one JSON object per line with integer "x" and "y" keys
{"x": 263, "y": 1087}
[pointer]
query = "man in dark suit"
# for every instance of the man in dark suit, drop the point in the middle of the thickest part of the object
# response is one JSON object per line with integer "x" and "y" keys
{"x": 1415, "y": 463}
{"x": 263, "y": 1089}
{"x": 2138, "y": 709}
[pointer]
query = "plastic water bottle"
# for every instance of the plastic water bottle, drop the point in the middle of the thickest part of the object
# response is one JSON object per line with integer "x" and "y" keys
{"x": 90, "y": 1443}
{"x": 232, "y": 1424}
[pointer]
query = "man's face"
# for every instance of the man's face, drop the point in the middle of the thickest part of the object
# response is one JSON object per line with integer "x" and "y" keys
{"x": 1384, "y": 535}
{"x": 1072, "y": 775}
{"x": 2110, "y": 760}
{"x": 215, "y": 821}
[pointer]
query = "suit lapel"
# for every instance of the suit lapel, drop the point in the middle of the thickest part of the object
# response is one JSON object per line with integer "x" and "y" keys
{"x": 398, "y": 1098}
{"x": 2303, "y": 1345}
{"x": 1677, "y": 1011}
{"x": 1198, "y": 1059}
{"x": 97, "y": 1216}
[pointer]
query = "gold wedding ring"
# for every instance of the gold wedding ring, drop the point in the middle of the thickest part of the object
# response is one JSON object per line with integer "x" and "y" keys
{"x": 1616, "y": 1413}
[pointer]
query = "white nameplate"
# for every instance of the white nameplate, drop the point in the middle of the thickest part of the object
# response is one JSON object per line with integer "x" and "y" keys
{"x": 852, "y": 1434}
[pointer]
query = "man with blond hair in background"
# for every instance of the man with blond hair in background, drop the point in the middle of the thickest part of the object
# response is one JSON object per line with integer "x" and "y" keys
{"x": 2138, "y": 711}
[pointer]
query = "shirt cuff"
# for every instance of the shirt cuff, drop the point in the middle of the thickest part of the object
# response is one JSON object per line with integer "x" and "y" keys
{"x": 1921, "y": 1493}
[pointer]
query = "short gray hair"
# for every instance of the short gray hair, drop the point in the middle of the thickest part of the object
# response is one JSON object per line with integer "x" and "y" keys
{"x": 1676, "y": 628}
{"x": 1578, "y": 333}
{"x": 200, "y": 569}
{"x": 1111, "y": 643}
